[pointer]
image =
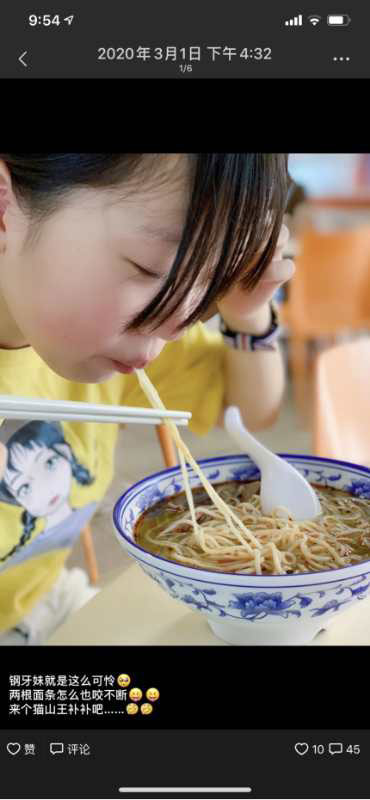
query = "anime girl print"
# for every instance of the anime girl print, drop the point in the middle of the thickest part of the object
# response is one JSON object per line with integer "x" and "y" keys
{"x": 37, "y": 475}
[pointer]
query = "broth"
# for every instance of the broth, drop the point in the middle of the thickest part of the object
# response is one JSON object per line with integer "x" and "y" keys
{"x": 355, "y": 546}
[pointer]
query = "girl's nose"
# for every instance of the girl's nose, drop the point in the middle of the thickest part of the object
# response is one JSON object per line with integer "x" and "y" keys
{"x": 169, "y": 331}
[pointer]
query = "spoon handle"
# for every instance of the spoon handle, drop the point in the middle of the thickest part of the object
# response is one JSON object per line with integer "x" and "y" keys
{"x": 241, "y": 437}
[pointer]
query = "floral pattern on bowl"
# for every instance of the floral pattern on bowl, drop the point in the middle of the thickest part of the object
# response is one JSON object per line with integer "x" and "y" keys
{"x": 259, "y": 605}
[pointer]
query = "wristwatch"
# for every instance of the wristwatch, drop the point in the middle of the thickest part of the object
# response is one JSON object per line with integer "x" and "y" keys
{"x": 251, "y": 342}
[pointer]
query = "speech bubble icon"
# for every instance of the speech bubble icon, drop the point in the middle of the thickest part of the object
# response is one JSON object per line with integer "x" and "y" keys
{"x": 56, "y": 748}
{"x": 13, "y": 748}
{"x": 335, "y": 747}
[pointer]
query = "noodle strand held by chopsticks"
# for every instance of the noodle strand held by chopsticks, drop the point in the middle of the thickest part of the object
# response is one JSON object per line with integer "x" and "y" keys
{"x": 231, "y": 518}
{"x": 234, "y": 535}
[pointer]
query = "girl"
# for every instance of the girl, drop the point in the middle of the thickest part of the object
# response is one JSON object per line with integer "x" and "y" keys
{"x": 108, "y": 262}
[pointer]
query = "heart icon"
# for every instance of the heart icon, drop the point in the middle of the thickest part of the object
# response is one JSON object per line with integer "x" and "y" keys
{"x": 13, "y": 748}
{"x": 301, "y": 748}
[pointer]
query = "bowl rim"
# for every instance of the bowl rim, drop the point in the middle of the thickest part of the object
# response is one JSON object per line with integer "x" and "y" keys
{"x": 210, "y": 573}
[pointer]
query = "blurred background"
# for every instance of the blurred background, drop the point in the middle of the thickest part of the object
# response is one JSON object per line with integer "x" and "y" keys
{"x": 325, "y": 315}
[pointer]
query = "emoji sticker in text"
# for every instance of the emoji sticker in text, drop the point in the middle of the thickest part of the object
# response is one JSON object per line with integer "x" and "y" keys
{"x": 152, "y": 695}
{"x": 135, "y": 694}
{"x": 132, "y": 708}
{"x": 123, "y": 680}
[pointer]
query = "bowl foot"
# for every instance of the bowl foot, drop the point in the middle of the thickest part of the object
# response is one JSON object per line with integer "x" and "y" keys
{"x": 250, "y": 633}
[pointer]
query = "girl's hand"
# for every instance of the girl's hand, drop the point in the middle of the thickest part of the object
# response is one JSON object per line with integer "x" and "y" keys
{"x": 248, "y": 311}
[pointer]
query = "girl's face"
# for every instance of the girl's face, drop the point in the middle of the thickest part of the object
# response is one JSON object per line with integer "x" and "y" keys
{"x": 96, "y": 264}
{"x": 41, "y": 481}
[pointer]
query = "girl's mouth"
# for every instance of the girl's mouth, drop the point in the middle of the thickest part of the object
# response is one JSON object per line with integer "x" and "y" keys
{"x": 54, "y": 500}
{"x": 127, "y": 368}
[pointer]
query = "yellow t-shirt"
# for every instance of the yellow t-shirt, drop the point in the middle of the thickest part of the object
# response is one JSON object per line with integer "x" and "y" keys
{"x": 58, "y": 472}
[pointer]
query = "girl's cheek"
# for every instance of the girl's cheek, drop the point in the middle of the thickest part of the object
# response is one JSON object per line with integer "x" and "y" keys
{"x": 86, "y": 322}
{"x": 80, "y": 323}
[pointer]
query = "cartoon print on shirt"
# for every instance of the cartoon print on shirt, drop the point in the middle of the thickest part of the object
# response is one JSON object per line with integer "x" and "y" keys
{"x": 38, "y": 477}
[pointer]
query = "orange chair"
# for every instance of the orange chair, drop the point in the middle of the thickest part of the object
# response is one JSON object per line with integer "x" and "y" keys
{"x": 170, "y": 460}
{"x": 341, "y": 402}
{"x": 328, "y": 295}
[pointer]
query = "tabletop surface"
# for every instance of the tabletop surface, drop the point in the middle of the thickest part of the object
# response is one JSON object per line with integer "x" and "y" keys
{"x": 134, "y": 610}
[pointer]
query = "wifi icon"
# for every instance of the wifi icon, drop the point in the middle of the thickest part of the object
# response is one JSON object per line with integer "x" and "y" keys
{"x": 314, "y": 19}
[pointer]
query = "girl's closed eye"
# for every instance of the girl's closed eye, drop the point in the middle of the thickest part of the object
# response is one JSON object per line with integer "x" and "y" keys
{"x": 155, "y": 275}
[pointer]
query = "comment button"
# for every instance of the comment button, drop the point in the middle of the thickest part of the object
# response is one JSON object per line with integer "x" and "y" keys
{"x": 56, "y": 748}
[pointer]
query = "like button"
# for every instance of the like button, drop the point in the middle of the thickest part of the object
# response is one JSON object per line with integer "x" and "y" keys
{"x": 13, "y": 748}
{"x": 301, "y": 748}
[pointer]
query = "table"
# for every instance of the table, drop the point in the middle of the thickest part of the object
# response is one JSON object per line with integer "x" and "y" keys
{"x": 134, "y": 610}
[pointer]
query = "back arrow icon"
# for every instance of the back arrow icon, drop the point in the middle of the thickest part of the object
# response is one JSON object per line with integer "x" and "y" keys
{"x": 21, "y": 58}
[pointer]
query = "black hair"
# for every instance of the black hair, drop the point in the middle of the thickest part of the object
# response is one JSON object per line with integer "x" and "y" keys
{"x": 235, "y": 212}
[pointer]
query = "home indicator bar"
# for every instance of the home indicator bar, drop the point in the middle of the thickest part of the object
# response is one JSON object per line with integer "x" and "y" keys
{"x": 184, "y": 789}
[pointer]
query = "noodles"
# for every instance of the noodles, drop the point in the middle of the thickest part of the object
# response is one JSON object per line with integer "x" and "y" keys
{"x": 233, "y": 534}
{"x": 232, "y": 520}
{"x": 340, "y": 536}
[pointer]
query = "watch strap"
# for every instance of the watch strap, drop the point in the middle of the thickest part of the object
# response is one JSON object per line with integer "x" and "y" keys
{"x": 251, "y": 342}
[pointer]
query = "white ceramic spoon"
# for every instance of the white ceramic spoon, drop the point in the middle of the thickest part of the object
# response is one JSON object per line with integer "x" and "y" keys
{"x": 281, "y": 484}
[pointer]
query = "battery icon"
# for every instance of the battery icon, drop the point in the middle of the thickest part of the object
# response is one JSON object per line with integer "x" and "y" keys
{"x": 339, "y": 19}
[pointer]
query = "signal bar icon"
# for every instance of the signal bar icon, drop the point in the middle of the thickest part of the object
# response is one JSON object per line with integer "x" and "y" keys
{"x": 294, "y": 20}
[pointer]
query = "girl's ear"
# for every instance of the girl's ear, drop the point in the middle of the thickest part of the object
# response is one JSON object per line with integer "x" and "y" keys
{"x": 5, "y": 189}
{"x": 6, "y": 198}
{"x": 64, "y": 450}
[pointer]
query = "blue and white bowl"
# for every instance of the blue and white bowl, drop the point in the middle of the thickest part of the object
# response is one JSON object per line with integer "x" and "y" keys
{"x": 250, "y": 609}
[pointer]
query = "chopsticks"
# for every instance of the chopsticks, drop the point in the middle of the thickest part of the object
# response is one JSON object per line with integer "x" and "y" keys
{"x": 39, "y": 408}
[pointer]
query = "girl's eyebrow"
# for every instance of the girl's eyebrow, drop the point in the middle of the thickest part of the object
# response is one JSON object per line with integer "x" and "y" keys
{"x": 12, "y": 481}
{"x": 19, "y": 476}
{"x": 171, "y": 235}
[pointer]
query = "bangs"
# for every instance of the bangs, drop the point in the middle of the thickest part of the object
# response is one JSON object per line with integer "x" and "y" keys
{"x": 236, "y": 208}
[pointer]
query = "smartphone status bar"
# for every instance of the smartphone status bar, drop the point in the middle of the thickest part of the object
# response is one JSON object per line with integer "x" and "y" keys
{"x": 186, "y": 42}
